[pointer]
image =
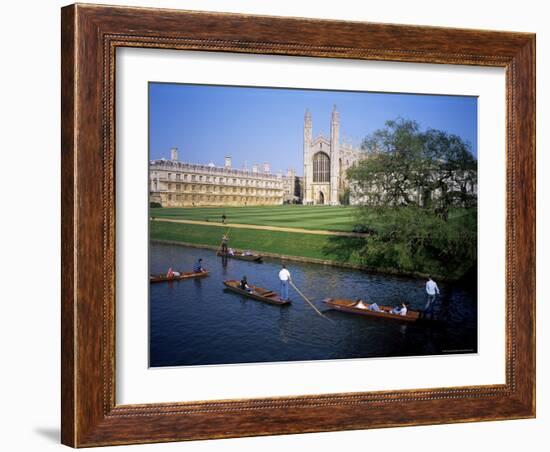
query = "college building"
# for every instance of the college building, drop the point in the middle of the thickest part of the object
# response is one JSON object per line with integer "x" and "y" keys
{"x": 178, "y": 184}
{"x": 326, "y": 161}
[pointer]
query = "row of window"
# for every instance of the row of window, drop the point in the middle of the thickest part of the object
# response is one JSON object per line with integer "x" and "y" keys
{"x": 190, "y": 199}
{"x": 216, "y": 189}
{"x": 218, "y": 180}
{"x": 168, "y": 165}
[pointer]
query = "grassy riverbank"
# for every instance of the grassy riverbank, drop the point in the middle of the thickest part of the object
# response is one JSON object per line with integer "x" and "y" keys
{"x": 399, "y": 241}
{"x": 285, "y": 243}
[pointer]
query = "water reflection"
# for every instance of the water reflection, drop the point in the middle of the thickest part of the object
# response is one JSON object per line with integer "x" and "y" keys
{"x": 198, "y": 322}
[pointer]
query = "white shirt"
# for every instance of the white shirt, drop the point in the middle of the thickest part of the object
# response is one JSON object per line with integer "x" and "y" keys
{"x": 431, "y": 288}
{"x": 284, "y": 275}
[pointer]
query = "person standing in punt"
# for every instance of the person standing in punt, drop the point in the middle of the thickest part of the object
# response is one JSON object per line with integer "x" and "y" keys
{"x": 285, "y": 278}
{"x": 225, "y": 240}
{"x": 432, "y": 291}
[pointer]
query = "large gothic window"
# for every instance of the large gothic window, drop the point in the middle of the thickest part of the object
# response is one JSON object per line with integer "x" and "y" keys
{"x": 321, "y": 167}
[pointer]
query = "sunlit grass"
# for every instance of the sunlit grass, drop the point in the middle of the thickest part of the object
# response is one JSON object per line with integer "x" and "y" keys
{"x": 285, "y": 243}
{"x": 307, "y": 217}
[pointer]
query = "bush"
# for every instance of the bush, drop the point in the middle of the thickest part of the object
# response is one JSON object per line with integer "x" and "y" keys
{"x": 413, "y": 239}
{"x": 363, "y": 229}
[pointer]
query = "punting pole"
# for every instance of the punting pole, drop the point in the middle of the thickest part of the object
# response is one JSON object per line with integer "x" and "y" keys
{"x": 310, "y": 303}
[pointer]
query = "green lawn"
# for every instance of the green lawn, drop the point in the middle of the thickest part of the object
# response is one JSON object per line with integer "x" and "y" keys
{"x": 285, "y": 243}
{"x": 329, "y": 218}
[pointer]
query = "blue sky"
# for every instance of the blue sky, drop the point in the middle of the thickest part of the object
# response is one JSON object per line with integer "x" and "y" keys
{"x": 257, "y": 125}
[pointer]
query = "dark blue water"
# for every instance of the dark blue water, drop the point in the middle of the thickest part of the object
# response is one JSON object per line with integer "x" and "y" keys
{"x": 196, "y": 322}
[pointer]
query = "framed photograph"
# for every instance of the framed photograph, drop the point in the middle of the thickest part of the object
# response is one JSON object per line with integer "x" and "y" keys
{"x": 282, "y": 225}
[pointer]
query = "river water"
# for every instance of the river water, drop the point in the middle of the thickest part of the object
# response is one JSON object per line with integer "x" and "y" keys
{"x": 198, "y": 322}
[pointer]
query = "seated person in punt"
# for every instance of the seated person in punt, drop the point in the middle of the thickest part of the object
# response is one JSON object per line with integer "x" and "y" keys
{"x": 171, "y": 273}
{"x": 231, "y": 252}
{"x": 248, "y": 253}
{"x": 198, "y": 266}
{"x": 371, "y": 307}
{"x": 400, "y": 310}
{"x": 374, "y": 307}
{"x": 244, "y": 285}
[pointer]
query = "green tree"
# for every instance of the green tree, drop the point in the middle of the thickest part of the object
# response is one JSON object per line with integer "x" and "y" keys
{"x": 416, "y": 197}
{"x": 404, "y": 166}
{"x": 415, "y": 239}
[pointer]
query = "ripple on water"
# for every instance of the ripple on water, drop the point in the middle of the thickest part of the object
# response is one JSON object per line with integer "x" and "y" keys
{"x": 197, "y": 322}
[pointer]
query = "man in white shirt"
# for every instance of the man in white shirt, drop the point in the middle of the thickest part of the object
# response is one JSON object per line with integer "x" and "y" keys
{"x": 432, "y": 290}
{"x": 284, "y": 277}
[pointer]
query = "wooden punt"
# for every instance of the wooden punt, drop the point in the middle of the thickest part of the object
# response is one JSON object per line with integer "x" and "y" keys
{"x": 183, "y": 275}
{"x": 349, "y": 307}
{"x": 242, "y": 257}
{"x": 258, "y": 293}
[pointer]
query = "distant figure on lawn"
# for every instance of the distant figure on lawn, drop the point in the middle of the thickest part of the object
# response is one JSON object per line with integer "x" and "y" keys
{"x": 223, "y": 218}
{"x": 284, "y": 277}
{"x": 198, "y": 266}
{"x": 431, "y": 290}
{"x": 225, "y": 240}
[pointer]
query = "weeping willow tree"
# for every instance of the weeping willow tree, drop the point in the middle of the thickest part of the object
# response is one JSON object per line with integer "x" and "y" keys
{"x": 416, "y": 194}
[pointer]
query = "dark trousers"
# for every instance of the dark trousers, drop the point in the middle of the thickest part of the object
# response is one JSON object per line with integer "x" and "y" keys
{"x": 224, "y": 248}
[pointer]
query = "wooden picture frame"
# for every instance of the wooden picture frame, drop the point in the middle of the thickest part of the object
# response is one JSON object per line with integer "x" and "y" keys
{"x": 90, "y": 36}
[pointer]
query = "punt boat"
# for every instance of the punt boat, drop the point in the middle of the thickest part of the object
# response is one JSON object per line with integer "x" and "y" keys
{"x": 183, "y": 275}
{"x": 257, "y": 293}
{"x": 242, "y": 256}
{"x": 350, "y": 306}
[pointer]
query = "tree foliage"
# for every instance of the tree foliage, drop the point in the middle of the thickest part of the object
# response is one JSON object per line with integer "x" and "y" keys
{"x": 404, "y": 166}
{"x": 416, "y": 195}
{"x": 413, "y": 239}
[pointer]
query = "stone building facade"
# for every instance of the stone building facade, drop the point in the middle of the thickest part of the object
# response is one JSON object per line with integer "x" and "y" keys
{"x": 292, "y": 188}
{"x": 325, "y": 164}
{"x": 177, "y": 184}
{"x": 326, "y": 161}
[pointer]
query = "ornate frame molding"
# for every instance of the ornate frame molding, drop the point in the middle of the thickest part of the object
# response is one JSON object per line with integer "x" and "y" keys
{"x": 90, "y": 37}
